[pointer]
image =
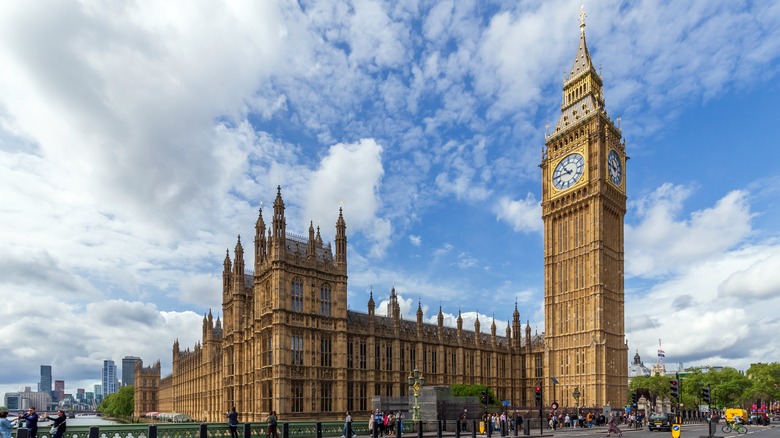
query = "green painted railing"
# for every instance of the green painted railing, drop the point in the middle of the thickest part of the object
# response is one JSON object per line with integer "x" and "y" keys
{"x": 213, "y": 430}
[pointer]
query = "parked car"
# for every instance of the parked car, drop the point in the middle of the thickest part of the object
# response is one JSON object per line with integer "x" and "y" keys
{"x": 660, "y": 422}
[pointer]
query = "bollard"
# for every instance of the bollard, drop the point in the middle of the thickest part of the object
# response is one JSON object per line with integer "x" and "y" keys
{"x": 489, "y": 427}
{"x": 203, "y": 431}
{"x": 374, "y": 430}
{"x": 457, "y": 429}
{"x": 22, "y": 432}
{"x": 247, "y": 430}
{"x": 473, "y": 428}
{"x": 526, "y": 427}
{"x": 419, "y": 429}
{"x": 286, "y": 430}
{"x": 399, "y": 429}
{"x": 152, "y": 431}
{"x": 349, "y": 430}
{"x": 439, "y": 428}
{"x": 319, "y": 429}
{"x": 94, "y": 432}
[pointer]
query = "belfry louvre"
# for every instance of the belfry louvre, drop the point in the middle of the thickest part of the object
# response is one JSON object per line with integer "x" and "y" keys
{"x": 287, "y": 341}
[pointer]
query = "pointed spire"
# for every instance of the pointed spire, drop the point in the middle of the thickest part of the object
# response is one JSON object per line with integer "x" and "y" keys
{"x": 371, "y": 306}
{"x": 582, "y": 62}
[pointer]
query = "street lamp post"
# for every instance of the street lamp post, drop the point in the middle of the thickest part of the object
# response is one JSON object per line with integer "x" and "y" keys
{"x": 576, "y": 395}
{"x": 415, "y": 381}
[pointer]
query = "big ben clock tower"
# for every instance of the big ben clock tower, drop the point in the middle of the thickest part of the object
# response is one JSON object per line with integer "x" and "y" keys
{"x": 583, "y": 206}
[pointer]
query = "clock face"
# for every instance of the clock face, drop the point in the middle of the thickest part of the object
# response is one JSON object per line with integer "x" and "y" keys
{"x": 615, "y": 168}
{"x": 568, "y": 171}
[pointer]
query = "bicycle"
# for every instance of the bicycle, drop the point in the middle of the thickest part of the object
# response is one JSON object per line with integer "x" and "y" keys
{"x": 738, "y": 428}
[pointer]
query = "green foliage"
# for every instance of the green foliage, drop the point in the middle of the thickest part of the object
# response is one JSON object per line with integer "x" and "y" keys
{"x": 728, "y": 387}
{"x": 120, "y": 403}
{"x": 472, "y": 391}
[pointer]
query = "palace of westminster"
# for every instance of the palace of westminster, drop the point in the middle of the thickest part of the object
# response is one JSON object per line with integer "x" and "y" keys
{"x": 287, "y": 341}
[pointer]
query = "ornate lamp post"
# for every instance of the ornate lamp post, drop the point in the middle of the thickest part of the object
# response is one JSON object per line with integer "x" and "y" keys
{"x": 576, "y": 395}
{"x": 415, "y": 381}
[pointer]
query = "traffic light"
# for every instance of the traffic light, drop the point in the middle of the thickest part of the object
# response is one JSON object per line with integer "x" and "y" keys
{"x": 675, "y": 389}
{"x": 705, "y": 394}
{"x": 634, "y": 399}
{"x": 484, "y": 398}
{"x": 538, "y": 390}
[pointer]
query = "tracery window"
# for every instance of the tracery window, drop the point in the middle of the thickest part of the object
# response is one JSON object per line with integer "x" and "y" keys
{"x": 325, "y": 351}
{"x": 296, "y": 295}
{"x": 296, "y": 349}
{"x": 325, "y": 302}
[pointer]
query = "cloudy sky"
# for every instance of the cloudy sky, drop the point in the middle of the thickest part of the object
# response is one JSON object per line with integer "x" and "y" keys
{"x": 138, "y": 139}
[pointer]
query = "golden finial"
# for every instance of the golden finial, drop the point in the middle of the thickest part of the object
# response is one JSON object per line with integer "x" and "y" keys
{"x": 618, "y": 120}
{"x": 582, "y": 18}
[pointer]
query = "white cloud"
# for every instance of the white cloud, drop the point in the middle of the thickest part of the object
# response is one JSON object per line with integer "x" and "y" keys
{"x": 525, "y": 215}
{"x": 663, "y": 243}
{"x": 415, "y": 240}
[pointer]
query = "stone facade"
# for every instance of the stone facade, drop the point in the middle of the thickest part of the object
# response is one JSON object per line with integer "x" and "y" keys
{"x": 288, "y": 343}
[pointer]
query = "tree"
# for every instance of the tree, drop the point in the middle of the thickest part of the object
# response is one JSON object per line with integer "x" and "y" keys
{"x": 119, "y": 403}
{"x": 765, "y": 381}
{"x": 472, "y": 391}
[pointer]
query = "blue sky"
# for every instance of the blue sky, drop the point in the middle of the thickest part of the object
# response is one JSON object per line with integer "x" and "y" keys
{"x": 137, "y": 140}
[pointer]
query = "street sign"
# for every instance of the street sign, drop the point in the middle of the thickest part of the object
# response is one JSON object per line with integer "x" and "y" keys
{"x": 554, "y": 406}
{"x": 676, "y": 431}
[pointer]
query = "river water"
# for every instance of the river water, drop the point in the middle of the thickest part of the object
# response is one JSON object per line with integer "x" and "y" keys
{"x": 88, "y": 420}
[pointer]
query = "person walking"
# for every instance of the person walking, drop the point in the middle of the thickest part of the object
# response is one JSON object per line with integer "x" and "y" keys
{"x": 379, "y": 422}
{"x": 612, "y": 426}
{"x": 6, "y": 425}
{"x": 271, "y": 420}
{"x": 232, "y": 417}
{"x": 58, "y": 426}
{"x": 348, "y": 426}
{"x": 30, "y": 422}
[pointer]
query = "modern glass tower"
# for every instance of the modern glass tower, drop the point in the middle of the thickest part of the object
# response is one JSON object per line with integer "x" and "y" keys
{"x": 128, "y": 368}
{"x": 109, "y": 377}
{"x": 45, "y": 384}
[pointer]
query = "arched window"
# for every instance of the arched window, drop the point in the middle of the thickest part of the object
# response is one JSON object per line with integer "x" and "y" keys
{"x": 325, "y": 300}
{"x": 296, "y": 294}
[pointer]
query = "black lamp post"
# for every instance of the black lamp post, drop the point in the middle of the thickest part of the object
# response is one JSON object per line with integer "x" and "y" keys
{"x": 576, "y": 395}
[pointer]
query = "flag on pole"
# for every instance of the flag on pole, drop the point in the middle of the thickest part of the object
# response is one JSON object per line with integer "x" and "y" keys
{"x": 661, "y": 354}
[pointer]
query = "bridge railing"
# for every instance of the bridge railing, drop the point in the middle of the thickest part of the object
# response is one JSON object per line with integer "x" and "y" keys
{"x": 298, "y": 429}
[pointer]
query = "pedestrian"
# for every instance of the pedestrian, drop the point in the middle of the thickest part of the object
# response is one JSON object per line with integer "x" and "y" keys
{"x": 31, "y": 422}
{"x": 6, "y": 425}
{"x": 612, "y": 426}
{"x": 463, "y": 420}
{"x": 58, "y": 426}
{"x": 232, "y": 417}
{"x": 271, "y": 420}
{"x": 379, "y": 422}
{"x": 348, "y": 426}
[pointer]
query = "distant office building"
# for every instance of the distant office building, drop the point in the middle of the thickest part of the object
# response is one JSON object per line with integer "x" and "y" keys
{"x": 109, "y": 377}
{"x": 22, "y": 400}
{"x": 45, "y": 384}
{"x": 59, "y": 391}
{"x": 128, "y": 368}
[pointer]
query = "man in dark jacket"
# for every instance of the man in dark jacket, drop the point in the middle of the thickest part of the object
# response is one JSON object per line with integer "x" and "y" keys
{"x": 31, "y": 422}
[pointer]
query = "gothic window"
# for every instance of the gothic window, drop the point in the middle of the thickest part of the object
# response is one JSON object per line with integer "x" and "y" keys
{"x": 296, "y": 294}
{"x": 403, "y": 365}
{"x": 350, "y": 396}
{"x": 362, "y": 397}
{"x": 412, "y": 358}
{"x": 425, "y": 360}
{"x": 325, "y": 351}
{"x": 377, "y": 353}
{"x": 296, "y": 396}
{"x": 433, "y": 362}
{"x": 297, "y": 349}
{"x": 326, "y": 397}
{"x": 267, "y": 346}
{"x": 350, "y": 352}
{"x": 539, "y": 361}
{"x": 389, "y": 357}
{"x": 363, "y": 354}
{"x": 325, "y": 300}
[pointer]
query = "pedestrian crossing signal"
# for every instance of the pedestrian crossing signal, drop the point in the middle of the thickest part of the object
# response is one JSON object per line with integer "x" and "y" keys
{"x": 538, "y": 390}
